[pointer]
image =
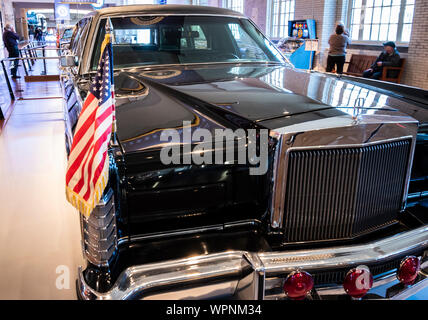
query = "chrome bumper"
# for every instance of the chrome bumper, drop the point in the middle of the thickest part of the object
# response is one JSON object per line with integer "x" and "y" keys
{"x": 247, "y": 275}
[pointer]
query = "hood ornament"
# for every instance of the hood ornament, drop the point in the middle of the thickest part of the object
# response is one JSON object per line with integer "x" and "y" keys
{"x": 358, "y": 105}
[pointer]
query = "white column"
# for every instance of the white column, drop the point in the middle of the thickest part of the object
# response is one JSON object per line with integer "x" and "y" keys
{"x": 7, "y": 12}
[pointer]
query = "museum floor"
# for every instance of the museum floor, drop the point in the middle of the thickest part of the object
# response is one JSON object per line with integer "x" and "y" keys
{"x": 39, "y": 230}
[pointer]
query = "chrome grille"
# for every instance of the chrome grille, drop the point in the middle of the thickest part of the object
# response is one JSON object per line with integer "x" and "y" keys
{"x": 343, "y": 192}
{"x": 99, "y": 234}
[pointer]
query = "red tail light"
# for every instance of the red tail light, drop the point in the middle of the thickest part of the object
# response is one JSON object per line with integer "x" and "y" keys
{"x": 408, "y": 270}
{"x": 358, "y": 281}
{"x": 298, "y": 284}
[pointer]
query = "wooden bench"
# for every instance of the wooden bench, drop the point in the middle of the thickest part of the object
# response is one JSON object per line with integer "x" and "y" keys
{"x": 360, "y": 62}
{"x": 386, "y": 74}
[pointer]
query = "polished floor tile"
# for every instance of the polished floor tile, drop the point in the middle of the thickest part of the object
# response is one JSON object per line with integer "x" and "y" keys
{"x": 39, "y": 230}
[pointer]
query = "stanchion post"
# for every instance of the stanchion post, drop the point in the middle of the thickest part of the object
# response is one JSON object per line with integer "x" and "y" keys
{"x": 34, "y": 51}
{"x": 23, "y": 55}
{"x": 23, "y": 62}
{"x": 44, "y": 62}
{"x": 29, "y": 62}
{"x": 12, "y": 96}
{"x": 31, "y": 52}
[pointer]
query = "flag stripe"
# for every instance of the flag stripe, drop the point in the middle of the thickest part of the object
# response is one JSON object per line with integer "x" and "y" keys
{"x": 85, "y": 150}
{"x": 96, "y": 145}
{"x": 82, "y": 132}
{"x": 85, "y": 113}
{"x": 77, "y": 163}
{"x": 91, "y": 164}
{"x": 99, "y": 145}
{"x": 88, "y": 163}
{"x": 86, "y": 119}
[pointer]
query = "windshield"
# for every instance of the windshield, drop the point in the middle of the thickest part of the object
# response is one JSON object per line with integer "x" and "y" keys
{"x": 157, "y": 40}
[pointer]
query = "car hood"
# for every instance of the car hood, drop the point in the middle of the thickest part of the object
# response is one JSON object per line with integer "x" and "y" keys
{"x": 218, "y": 96}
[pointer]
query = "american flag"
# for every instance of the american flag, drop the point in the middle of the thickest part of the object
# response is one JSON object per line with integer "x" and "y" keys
{"x": 88, "y": 163}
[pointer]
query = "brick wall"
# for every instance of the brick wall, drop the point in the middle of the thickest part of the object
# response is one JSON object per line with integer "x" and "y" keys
{"x": 416, "y": 68}
{"x": 7, "y": 16}
{"x": 310, "y": 10}
{"x": 214, "y": 3}
{"x": 256, "y": 10}
{"x": 7, "y": 12}
{"x": 325, "y": 14}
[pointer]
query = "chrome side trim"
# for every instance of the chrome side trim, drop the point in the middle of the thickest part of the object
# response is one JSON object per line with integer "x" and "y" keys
{"x": 278, "y": 194}
{"x": 135, "y": 281}
{"x": 99, "y": 234}
{"x": 183, "y": 232}
{"x": 330, "y": 258}
{"x": 245, "y": 271}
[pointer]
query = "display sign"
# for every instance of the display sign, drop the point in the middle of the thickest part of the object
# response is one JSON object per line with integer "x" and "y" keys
{"x": 300, "y": 29}
{"x": 311, "y": 45}
{"x": 302, "y": 42}
{"x": 98, "y": 5}
{"x": 62, "y": 11}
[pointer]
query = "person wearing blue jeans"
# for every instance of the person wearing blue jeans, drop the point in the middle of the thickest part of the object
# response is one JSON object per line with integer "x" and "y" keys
{"x": 369, "y": 73}
{"x": 388, "y": 58}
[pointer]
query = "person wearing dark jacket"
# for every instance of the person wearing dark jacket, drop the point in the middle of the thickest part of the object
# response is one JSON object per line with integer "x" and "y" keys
{"x": 38, "y": 34}
{"x": 10, "y": 39}
{"x": 388, "y": 58}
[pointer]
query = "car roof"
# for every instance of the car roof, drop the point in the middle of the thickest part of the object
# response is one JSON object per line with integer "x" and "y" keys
{"x": 169, "y": 9}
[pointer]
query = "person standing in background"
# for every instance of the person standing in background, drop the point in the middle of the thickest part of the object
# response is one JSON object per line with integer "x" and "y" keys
{"x": 31, "y": 32}
{"x": 38, "y": 35}
{"x": 345, "y": 32}
{"x": 10, "y": 39}
{"x": 337, "y": 53}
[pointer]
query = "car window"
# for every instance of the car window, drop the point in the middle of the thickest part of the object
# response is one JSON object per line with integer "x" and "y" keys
{"x": 133, "y": 36}
{"x": 75, "y": 43}
{"x": 83, "y": 36}
{"x": 75, "y": 37}
{"x": 247, "y": 46}
{"x": 158, "y": 40}
{"x": 197, "y": 35}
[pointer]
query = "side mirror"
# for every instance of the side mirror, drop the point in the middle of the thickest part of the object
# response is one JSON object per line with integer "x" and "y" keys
{"x": 68, "y": 61}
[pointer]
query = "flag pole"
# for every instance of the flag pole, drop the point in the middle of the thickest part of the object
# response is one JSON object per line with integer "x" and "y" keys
{"x": 109, "y": 31}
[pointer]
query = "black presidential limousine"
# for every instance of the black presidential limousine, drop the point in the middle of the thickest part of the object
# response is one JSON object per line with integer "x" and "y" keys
{"x": 336, "y": 209}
